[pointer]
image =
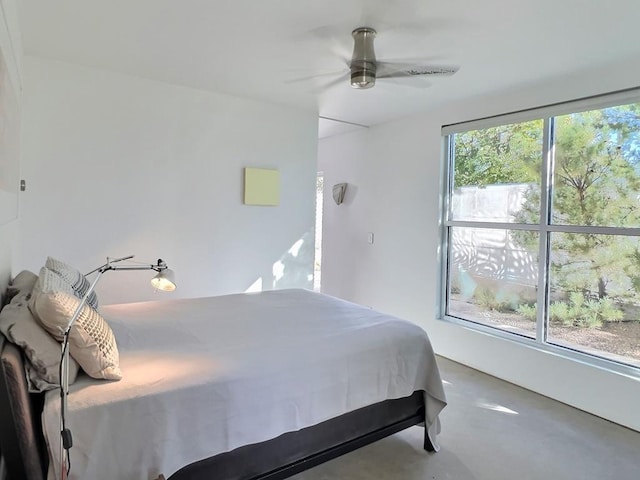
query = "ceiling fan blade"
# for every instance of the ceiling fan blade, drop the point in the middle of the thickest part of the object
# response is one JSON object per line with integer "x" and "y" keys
{"x": 337, "y": 81}
{"x": 412, "y": 82}
{"x": 313, "y": 77}
{"x": 318, "y": 86}
{"x": 400, "y": 70}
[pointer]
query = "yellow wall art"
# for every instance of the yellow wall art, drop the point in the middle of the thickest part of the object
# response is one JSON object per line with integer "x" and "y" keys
{"x": 261, "y": 187}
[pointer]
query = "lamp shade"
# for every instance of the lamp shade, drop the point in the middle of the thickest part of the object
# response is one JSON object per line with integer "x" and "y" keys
{"x": 164, "y": 280}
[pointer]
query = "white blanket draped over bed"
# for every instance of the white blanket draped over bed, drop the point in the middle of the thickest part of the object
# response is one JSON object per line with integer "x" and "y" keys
{"x": 204, "y": 376}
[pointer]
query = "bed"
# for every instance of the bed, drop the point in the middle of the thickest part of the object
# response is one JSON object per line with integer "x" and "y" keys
{"x": 245, "y": 386}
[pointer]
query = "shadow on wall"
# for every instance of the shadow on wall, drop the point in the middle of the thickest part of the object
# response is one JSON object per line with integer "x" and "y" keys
{"x": 294, "y": 269}
{"x": 7, "y": 245}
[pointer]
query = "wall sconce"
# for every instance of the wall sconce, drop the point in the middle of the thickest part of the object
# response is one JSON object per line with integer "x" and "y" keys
{"x": 339, "y": 190}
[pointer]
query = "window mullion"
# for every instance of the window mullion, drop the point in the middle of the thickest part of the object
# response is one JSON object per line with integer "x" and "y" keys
{"x": 446, "y": 186}
{"x": 545, "y": 236}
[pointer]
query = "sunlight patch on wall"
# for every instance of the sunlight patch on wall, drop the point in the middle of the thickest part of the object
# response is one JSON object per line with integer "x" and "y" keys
{"x": 255, "y": 286}
{"x": 294, "y": 269}
{"x": 278, "y": 271}
{"x": 295, "y": 248}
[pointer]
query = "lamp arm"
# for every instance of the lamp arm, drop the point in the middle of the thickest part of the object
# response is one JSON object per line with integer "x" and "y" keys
{"x": 66, "y": 441}
{"x": 83, "y": 301}
{"x": 158, "y": 268}
{"x": 109, "y": 262}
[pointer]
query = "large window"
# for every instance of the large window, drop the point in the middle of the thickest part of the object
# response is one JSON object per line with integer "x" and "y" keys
{"x": 542, "y": 229}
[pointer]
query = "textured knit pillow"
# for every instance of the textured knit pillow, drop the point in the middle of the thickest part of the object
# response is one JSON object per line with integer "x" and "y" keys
{"x": 91, "y": 341}
{"x": 42, "y": 352}
{"x": 73, "y": 277}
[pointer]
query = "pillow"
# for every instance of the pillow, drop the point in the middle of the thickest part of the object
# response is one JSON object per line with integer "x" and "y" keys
{"x": 23, "y": 283}
{"x": 91, "y": 341}
{"x": 42, "y": 352}
{"x": 73, "y": 277}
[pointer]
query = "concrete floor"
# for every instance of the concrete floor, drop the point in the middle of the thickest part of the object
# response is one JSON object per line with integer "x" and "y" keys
{"x": 493, "y": 430}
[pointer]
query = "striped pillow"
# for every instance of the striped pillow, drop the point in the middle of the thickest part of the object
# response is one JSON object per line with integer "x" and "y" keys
{"x": 73, "y": 277}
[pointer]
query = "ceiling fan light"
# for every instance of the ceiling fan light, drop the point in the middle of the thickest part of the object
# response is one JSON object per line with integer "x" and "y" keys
{"x": 363, "y": 79}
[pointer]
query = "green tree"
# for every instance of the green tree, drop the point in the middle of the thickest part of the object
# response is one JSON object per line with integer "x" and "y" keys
{"x": 595, "y": 184}
{"x": 498, "y": 155}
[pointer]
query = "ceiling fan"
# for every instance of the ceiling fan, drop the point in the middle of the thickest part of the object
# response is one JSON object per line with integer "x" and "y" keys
{"x": 365, "y": 69}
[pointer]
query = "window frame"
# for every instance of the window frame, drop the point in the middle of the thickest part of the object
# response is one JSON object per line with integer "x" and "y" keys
{"x": 544, "y": 227}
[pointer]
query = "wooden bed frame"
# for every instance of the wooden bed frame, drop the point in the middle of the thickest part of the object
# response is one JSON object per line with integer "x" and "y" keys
{"x": 23, "y": 448}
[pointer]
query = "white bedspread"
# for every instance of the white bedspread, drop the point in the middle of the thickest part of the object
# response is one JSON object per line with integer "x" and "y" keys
{"x": 204, "y": 376}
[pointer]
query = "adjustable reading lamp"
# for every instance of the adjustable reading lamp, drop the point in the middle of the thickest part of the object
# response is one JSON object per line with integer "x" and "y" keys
{"x": 164, "y": 280}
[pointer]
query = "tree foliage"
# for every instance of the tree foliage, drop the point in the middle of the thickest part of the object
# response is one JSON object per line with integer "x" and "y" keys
{"x": 596, "y": 182}
{"x": 498, "y": 155}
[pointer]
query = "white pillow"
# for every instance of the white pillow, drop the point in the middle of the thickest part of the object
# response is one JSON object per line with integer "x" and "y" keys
{"x": 91, "y": 341}
{"x": 41, "y": 350}
{"x": 73, "y": 277}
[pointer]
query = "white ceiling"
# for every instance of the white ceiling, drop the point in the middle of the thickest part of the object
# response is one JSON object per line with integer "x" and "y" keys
{"x": 257, "y": 48}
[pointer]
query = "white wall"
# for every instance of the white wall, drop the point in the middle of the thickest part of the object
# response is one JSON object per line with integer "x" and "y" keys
{"x": 117, "y": 165}
{"x": 396, "y": 170}
{"x": 11, "y": 48}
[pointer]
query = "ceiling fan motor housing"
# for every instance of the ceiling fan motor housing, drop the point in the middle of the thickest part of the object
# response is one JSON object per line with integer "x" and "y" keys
{"x": 363, "y": 61}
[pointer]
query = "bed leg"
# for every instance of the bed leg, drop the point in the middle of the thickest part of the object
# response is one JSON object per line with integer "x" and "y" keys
{"x": 428, "y": 446}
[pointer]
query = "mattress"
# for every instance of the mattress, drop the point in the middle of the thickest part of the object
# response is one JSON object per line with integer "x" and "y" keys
{"x": 206, "y": 376}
